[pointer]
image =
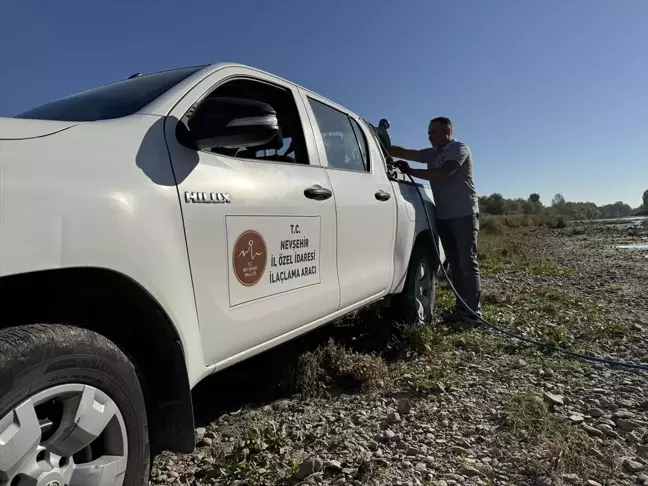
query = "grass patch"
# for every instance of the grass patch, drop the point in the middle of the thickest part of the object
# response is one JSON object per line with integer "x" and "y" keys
{"x": 259, "y": 451}
{"x": 517, "y": 253}
{"x": 331, "y": 369}
{"x": 554, "y": 446}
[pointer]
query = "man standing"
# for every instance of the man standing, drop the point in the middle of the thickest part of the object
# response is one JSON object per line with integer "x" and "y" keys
{"x": 450, "y": 172}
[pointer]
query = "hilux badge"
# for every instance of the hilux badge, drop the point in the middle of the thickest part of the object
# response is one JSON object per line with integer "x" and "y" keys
{"x": 207, "y": 197}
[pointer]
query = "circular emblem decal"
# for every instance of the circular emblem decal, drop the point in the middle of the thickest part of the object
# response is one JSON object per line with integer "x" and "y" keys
{"x": 249, "y": 258}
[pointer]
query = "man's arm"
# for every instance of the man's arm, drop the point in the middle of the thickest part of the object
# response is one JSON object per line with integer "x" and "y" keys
{"x": 455, "y": 155}
{"x": 408, "y": 154}
{"x": 438, "y": 174}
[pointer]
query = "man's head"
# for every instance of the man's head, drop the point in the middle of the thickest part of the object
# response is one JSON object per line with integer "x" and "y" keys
{"x": 440, "y": 131}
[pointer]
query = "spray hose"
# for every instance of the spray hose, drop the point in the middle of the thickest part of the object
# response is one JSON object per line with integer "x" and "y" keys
{"x": 382, "y": 136}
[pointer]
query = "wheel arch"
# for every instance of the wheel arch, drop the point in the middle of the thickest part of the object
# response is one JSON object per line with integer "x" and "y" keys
{"x": 112, "y": 304}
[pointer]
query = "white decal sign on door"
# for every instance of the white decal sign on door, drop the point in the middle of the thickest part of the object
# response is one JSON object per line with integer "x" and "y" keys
{"x": 271, "y": 255}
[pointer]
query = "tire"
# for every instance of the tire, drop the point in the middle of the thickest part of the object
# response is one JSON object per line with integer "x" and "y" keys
{"x": 406, "y": 306}
{"x": 63, "y": 388}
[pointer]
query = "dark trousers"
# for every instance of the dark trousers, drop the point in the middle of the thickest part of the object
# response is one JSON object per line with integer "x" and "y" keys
{"x": 459, "y": 239}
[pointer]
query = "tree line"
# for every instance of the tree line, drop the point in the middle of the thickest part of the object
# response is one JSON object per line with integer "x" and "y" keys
{"x": 496, "y": 204}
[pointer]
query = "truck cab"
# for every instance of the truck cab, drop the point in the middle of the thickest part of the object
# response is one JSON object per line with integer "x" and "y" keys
{"x": 164, "y": 227}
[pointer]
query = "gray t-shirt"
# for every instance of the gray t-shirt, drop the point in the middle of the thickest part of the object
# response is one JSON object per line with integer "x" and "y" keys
{"x": 456, "y": 196}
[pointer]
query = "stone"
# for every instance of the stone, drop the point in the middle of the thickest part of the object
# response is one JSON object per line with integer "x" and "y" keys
{"x": 553, "y": 399}
{"x": 421, "y": 467}
{"x": 627, "y": 425}
{"x": 439, "y": 483}
{"x": 393, "y": 418}
{"x": 200, "y": 433}
{"x": 438, "y": 388}
{"x": 572, "y": 478}
{"x": 591, "y": 482}
{"x": 333, "y": 465}
{"x": 592, "y": 431}
{"x": 469, "y": 471}
{"x": 577, "y": 419}
{"x": 596, "y": 412}
{"x": 388, "y": 435}
{"x": 642, "y": 451}
{"x": 622, "y": 414}
{"x": 404, "y": 407}
{"x": 309, "y": 467}
{"x": 548, "y": 372}
{"x": 625, "y": 403}
{"x": 632, "y": 466}
{"x": 205, "y": 442}
{"x": 373, "y": 446}
{"x": 642, "y": 478}
{"x": 485, "y": 469}
{"x": 644, "y": 405}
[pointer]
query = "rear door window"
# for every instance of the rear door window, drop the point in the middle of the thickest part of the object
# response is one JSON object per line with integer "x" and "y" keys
{"x": 345, "y": 144}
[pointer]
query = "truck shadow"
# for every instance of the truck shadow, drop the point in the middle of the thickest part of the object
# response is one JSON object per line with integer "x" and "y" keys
{"x": 267, "y": 377}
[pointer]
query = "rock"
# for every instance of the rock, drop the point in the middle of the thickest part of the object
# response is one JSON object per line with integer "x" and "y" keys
{"x": 558, "y": 400}
{"x": 577, "y": 419}
{"x": 309, "y": 467}
{"x": 596, "y": 412}
{"x": 439, "y": 483}
{"x": 644, "y": 405}
{"x": 591, "y": 482}
{"x": 485, "y": 469}
{"x": 404, "y": 407}
{"x": 548, "y": 372}
{"x": 388, "y": 435}
{"x": 622, "y": 414}
{"x": 632, "y": 466}
{"x": 572, "y": 478}
{"x": 642, "y": 478}
{"x": 642, "y": 451}
{"x": 592, "y": 431}
{"x": 205, "y": 442}
{"x": 421, "y": 467}
{"x": 626, "y": 425}
{"x": 438, "y": 388}
{"x": 373, "y": 446}
{"x": 469, "y": 471}
{"x": 200, "y": 433}
{"x": 625, "y": 403}
{"x": 335, "y": 466}
{"x": 393, "y": 418}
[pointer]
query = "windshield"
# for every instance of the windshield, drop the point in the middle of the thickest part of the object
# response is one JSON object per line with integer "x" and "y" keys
{"x": 111, "y": 101}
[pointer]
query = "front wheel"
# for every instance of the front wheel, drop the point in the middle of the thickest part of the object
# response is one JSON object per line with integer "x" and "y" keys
{"x": 72, "y": 410}
{"x": 415, "y": 304}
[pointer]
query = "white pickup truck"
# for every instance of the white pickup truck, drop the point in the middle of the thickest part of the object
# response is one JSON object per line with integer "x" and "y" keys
{"x": 161, "y": 228}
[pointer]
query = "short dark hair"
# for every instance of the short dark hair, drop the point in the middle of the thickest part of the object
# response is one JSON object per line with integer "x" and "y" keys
{"x": 445, "y": 121}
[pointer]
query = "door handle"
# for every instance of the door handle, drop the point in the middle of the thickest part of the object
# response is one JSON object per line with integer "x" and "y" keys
{"x": 382, "y": 195}
{"x": 317, "y": 192}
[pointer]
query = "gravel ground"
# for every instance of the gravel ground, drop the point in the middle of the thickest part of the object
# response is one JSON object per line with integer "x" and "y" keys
{"x": 367, "y": 402}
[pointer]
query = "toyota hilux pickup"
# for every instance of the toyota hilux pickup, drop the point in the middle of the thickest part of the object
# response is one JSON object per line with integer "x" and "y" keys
{"x": 161, "y": 228}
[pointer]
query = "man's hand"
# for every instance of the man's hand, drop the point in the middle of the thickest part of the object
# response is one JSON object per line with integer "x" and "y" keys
{"x": 403, "y": 166}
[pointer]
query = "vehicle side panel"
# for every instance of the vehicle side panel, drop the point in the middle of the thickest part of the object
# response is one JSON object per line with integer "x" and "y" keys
{"x": 101, "y": 194}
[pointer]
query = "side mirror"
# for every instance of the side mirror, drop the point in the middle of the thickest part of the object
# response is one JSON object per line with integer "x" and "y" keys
{"x": 232, "y": 123}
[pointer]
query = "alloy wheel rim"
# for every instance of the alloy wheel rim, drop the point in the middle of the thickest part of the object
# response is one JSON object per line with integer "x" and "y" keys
{"x": 66, "y": 435}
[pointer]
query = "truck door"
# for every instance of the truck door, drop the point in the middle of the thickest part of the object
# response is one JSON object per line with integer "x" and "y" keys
{"x": 366, "y": 216}
{"x": 259, "y": 222}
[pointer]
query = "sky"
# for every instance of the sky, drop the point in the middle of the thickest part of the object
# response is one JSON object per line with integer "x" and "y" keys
{"x": 551, "y": 96}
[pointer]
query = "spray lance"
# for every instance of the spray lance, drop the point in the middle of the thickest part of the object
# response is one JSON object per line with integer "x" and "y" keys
{"x": 392, "y": 170}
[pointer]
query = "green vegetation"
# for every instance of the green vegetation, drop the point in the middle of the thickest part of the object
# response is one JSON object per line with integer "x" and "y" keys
{"x": 332, "y": 368}
{"x": 519, "y": 252}
{"x": 556, "y": 446}
{"x": 559, "y": 210}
